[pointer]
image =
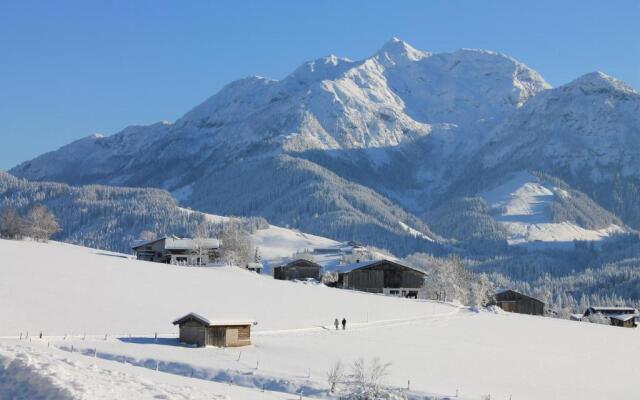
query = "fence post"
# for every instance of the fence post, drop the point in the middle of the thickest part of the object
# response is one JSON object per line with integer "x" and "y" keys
{"x": 157, "y": 365}
{"x": 408, "y": 384}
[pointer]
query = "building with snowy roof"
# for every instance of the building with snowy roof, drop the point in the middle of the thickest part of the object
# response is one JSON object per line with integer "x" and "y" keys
{"x": 178, "y": 251}
{"x": 626, "y": 317}
{"x": 202, "y": 331}
{"x": 381, "y": 276}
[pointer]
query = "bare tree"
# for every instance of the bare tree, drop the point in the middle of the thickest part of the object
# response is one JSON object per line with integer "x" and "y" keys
{"x": 200, "y": 235}
{"x": 12, "y": 226}
{"x": 236, "y": 248}
{"x": 363, "y": 381}
{"x": 41, "y": 223}
{"x": 335, "y": 376}
{"x": 147, "y": 235}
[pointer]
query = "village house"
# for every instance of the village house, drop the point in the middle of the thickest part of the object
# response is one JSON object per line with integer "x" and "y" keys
{"x": 625, "y": 317}
{"x": 178, "y": 251}
{"x": 381, "y": 276}
{"x": 516, "y": 302}
{"x": 299, "y": 269}
{"x": 200, "y": 331}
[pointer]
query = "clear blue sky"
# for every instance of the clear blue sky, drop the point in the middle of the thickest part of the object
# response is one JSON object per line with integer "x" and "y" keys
{"x": 72, "y": 68}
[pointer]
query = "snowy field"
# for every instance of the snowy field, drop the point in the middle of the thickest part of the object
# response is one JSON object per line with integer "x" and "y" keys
{"x": 66, "y": 291}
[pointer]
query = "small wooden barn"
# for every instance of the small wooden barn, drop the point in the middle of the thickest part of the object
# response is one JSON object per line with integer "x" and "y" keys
{"x": 200, "y": 331}
{"x": 298, "y": 270}
{"x": 625, "y": 317}
{"x": 512, "y": 301}
{"x": 381, "y": 276}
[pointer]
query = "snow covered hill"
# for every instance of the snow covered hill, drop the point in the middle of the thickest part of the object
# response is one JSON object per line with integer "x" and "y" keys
{"x": 65, "y": 291}
{"x": 585, "y": 133}
{"x": 524, "y": 207}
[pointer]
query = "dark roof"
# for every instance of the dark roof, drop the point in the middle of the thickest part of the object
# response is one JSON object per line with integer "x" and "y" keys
{"x": 519, "y": 293}
{"x": 300, "y": 261}
{"x": 613, "y": 310}
{"x": 371, "y": 263}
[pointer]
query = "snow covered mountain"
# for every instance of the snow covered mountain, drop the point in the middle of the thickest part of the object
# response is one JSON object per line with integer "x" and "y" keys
{"x": 585, "y": 132}
{"x": 368, "y": 149}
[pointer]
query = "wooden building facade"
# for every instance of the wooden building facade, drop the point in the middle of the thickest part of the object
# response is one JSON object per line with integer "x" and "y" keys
{"x": 298, "y": 270}
{"x": 512, "y": 301}
{"x": 201, "y": 331}
{"x": 382, "y": 276}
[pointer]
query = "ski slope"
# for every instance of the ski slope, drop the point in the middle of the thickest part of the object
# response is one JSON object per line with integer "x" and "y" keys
{"x": 276, "y": 243}
{"x": 521, "y": 206}
{"x": 65, "y": 291}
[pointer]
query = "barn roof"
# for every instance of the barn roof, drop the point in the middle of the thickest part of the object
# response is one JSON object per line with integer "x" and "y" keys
{"x": 622, "y": 317}
{"x": 370, "y": 263}
{"x": 613, "y": 310}
{"x": 300, "y": 261}
{"x": 501, "y": 291}
{"x": 210, "y": 322}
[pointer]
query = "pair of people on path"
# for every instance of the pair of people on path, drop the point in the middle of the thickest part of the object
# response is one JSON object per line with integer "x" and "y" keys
{"x": 337, "y": 323}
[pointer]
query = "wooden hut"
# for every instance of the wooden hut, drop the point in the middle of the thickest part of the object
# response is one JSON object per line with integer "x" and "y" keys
{"x": 625, "y": 317}
{"x": 381, "y": 276}
{"x": 298, "y": 270}
{"x": 200, "y": 331}
{"x": 512, "y": 301}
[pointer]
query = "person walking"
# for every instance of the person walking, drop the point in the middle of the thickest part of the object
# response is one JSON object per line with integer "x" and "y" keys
{"x": 344, "y": 323}
{"x": 336, "y": 323}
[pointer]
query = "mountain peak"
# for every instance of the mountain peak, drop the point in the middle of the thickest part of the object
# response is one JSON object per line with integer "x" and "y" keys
{"x": 327, "y": 67}
{"x": 396, "y": 50}
{"x": 598, "y": 81}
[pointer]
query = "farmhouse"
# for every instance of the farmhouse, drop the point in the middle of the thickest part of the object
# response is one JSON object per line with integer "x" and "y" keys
{"x": 512, "y": 301}
{"x": 298, "y": 270}
{"x": 625, "y": 317}
{"x": 179, "y": 251}
{"x": 200, "y": 331}
{"x": 381, "y": 276}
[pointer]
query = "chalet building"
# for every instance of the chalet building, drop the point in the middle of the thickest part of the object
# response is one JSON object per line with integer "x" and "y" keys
{"x": 178, "y": 251}
{"x": 516, "y": 302}
{"x": 298, "y": 270}
{"x": 626, "y": 317}
{"x": 381, "y": 276}
{"x": 200, "y": 331}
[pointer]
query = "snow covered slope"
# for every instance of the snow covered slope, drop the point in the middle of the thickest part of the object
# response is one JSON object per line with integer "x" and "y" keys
{"x": 584, "y": 133}
{"x": 62, "y": 289}
{"x": 33, "y": 371}
{"x": 522, "y": 206}
{"x": 112, "y": 291}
